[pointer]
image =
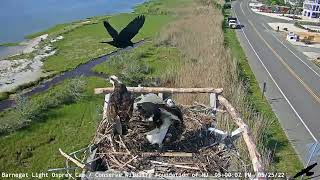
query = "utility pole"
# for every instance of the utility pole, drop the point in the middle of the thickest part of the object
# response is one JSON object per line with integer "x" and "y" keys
{"x": 264, "y": 89}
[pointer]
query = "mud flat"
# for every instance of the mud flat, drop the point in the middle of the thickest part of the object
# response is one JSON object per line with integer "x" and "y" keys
{"x": 14, "y": 73}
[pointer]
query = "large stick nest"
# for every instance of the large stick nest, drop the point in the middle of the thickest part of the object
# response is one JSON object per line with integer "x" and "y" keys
{"x": 133, "y": 153}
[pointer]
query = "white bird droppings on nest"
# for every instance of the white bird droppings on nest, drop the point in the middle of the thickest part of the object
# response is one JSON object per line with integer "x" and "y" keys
{"x": 195, "y": 152}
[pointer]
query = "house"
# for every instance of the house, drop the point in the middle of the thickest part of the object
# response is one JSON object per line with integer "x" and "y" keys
{"x": 311, "y": 9}
{"x": 256, "y": 6}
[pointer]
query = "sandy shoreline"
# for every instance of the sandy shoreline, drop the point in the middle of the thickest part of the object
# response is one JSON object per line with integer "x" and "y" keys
{"x": 14, "y": 73}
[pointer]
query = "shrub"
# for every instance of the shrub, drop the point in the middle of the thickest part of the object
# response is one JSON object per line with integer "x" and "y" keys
{"x": 69, "y": 92}
{"x": 4, "y": 95}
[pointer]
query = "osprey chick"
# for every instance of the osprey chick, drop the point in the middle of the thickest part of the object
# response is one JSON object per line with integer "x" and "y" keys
{"x": 120, "y": 106}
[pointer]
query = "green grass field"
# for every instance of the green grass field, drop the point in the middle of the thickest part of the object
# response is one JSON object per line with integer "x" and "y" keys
{"x": 82, "y": 44}
{"x": 82, "y": 39}
{"x": 286, "y": 159}
{"x": 71, "y": 126}
{"x": 142, "y": 65}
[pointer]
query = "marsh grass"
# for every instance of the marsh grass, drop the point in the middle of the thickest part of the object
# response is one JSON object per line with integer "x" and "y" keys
{"x": 143, "y": 66}
{"x": 208, "y": 62}
{"x": 69, "y": 126}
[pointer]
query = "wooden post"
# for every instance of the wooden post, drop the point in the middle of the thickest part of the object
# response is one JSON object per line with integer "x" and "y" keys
{"x": 247, "y": 135}
{"x": 161, "y": 90}
{"x": 213, "y": 101}
{"x": 105, "y": 106}
{"x": 160, "y": 95}
{"x": 213, "y": 104}
{"x": 264, "y": 89}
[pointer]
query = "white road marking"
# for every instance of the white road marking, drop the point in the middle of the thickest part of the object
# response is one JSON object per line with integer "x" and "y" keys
{"x": 294, "y": 53}
{"x": 295, "y": 111}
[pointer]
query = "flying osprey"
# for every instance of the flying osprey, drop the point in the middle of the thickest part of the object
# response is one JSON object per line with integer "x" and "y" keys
{"x": 123, "y": 39}
{"x": 120, "y": 106}
{"x": 307, "y": 171}
{"x": 163, "y": 115}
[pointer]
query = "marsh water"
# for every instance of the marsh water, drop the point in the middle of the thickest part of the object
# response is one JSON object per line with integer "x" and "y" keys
{"x": 19, "y": 18}
{"x": 81, "y": 70}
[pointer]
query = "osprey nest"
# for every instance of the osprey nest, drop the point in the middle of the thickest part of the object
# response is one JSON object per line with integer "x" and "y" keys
{"x": 194, "y": 150}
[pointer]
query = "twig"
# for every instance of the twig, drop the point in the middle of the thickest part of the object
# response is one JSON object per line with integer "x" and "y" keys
{"x": 114, "y": 153}
{"x": 204, "y": 167}
{"x": 80, "y": 150}
{"x": 128, "y": 162}
{"x": 175, "y": 165}
{"x": 210, "y": 146}
{"x": 169, "y": 154}
{"x": 113, "y": 159}
{"x": 124, "y": 163}
{"x": 124, "y": 145}
{"x": 62, "y": 169}
{"x": 111, "y": 144}
{"x": 79, "y": 164}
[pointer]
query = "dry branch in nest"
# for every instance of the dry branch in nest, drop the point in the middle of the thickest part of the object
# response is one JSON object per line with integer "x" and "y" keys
{"x": 195, "y": 152}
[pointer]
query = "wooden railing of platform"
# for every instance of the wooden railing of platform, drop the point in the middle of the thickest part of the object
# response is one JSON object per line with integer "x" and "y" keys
{"x": 216, "y": 98}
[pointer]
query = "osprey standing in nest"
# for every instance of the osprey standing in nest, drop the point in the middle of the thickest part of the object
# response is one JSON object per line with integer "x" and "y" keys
{"x": 120, "y": 106}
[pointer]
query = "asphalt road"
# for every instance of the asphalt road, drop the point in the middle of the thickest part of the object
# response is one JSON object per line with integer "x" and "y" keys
{"x": 293, "y": 82}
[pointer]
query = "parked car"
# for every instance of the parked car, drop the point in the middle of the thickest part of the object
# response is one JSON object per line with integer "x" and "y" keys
{"x": 233, "y": 22}
{"x": 231, "y": 18}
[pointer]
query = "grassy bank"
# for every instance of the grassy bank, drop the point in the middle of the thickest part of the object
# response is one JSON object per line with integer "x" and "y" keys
{"x": 81, "y": 41}
{"x": 4, "y": 95}
{"x": 285, "y": 157}
{"x": 143, "y": 66}
{"x": 68, "y": 125}
{"x": 31, "y": 144}
{"x": 10, "y": 44}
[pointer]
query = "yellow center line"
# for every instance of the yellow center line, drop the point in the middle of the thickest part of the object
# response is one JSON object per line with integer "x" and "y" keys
{"x": 283, "y": 62}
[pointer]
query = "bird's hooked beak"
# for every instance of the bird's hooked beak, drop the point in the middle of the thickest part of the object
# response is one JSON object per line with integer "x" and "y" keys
{"x": 170, "y": 102}
{"x": 113, "y": 79}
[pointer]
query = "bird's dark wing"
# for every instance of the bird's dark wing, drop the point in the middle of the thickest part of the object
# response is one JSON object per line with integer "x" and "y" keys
{"x": 113, "y": 33}
{"x": 299, "y": 174}
{"x": 132, "y": 28}
{"x": 311, "y": 166}
{"x": 305, "y": 171}
{"x": 127, "y": 106}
